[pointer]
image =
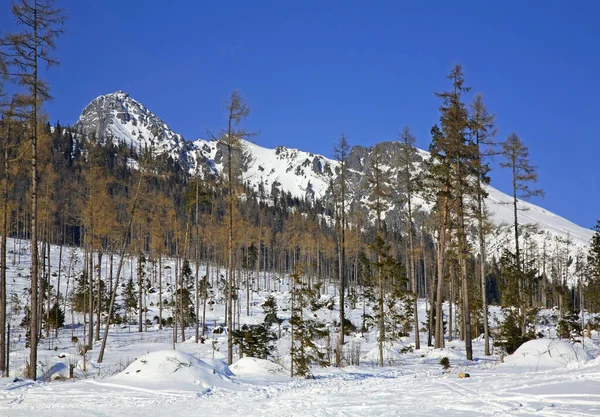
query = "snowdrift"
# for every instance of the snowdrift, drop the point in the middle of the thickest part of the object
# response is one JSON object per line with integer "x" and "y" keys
{"x": 173, "y": 370}
{"x": 547, "y": 354}
{"x": 258, "y": 368}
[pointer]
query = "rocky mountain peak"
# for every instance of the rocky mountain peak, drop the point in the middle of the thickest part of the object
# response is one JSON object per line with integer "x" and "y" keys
{"x": 119, "y": 117}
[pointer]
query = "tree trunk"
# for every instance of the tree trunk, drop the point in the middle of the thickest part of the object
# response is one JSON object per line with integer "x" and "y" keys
{"x": 482, "y": 263}
{"x": 99, "y": 295}
{"x": 412, "y": 274}
{"x": 140, "y": 273}
{"x": 439, "y": 316}
{"x": 3, "y": 241}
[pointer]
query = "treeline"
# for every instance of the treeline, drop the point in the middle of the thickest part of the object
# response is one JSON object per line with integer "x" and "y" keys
{"x": 64, "y": 188}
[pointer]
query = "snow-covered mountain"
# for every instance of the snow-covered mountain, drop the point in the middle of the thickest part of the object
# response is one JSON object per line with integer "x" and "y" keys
{"x": 119, "y": 117}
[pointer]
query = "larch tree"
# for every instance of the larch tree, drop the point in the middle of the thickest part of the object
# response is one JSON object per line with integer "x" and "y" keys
{"x": 409, "y": 179}
{"x": 378, "y": 182}
{"x": 482, "y": 130}
{"x": 5, "y": 136}
{"x": 231, "y": 139}
{"x": 462, "y": 155}
{"x": 27, "y": 50}
{"x": 341, "y": 152}
{"x": 7, "y": 131}
{"x": 516, "y": 159}
{"x": 126, "y": 234}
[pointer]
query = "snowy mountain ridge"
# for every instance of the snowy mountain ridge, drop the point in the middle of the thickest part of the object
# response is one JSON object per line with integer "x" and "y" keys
{"x": 302, "y": 174}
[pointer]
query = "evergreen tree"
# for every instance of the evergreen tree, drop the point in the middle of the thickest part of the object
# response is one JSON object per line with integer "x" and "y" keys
{"x": 593, "y": 271}
{"x": 254, "y": 340}
{"x": 270, "y": 311}
{"x": 516, "y": 295}
{"x": 306, "y": 331}
{"x": 129, "y": 296}
{"x": 55, "y": 317}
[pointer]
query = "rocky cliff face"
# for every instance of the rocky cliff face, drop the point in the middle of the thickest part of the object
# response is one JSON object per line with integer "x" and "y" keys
{"x": 120, "y": 118}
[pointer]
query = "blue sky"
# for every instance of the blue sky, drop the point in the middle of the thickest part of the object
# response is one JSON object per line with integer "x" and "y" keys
{"x": 313, "y": 69}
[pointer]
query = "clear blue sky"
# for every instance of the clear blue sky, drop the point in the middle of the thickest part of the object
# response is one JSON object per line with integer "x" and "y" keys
{"x": 314, "y": 69}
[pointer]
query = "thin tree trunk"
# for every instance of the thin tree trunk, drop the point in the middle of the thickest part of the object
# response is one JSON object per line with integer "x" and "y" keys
{"x": 3, "y": 299}
{"x": 140, "y": 273}
{"x": 482, "y": 263}
{"x": 463, "y": 250}
{"x": 412, "y": 274}
{"x": 181, "y": 276}
{"x": 160, "y": 301}
{"x": 91, "y": 290}
{"x": 439, "y": 316}
{"x": 99, "y": 295}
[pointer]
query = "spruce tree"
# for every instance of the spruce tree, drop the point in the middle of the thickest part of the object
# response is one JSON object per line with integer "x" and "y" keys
{"x": 129, "y": 296}
{"x": 593, "y": 271}
{"x": 306, "y": 331}
{"x": 55, "y": 317}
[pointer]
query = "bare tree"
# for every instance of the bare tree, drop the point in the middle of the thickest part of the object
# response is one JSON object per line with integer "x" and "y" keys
{"x": 41, "y": 23}
{"x": 410, "y": 181}
{"x": 483, "y": 130}
{"x": 341, "y": 152}
{"x": 378, "y": 181}
{"x": 516, "y": 156}
{"x": 231, "y": 139}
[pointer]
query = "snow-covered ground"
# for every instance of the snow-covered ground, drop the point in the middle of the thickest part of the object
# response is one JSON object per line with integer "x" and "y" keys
{"x": 142, "y": 375}
{"x": 419, "y": 387}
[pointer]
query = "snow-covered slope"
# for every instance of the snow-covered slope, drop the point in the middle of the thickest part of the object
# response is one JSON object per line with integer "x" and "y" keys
{"x": 302, "y": 174}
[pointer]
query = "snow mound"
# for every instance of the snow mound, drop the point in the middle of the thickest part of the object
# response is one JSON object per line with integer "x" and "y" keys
{"x": 391, "y": 355}
{"x": 57, "y": 371}
{"x": 173, "y": 370}
{"x": 257, "y": 367}
{"x": 547, "y": 354}
{"x": 450, "y": 353}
